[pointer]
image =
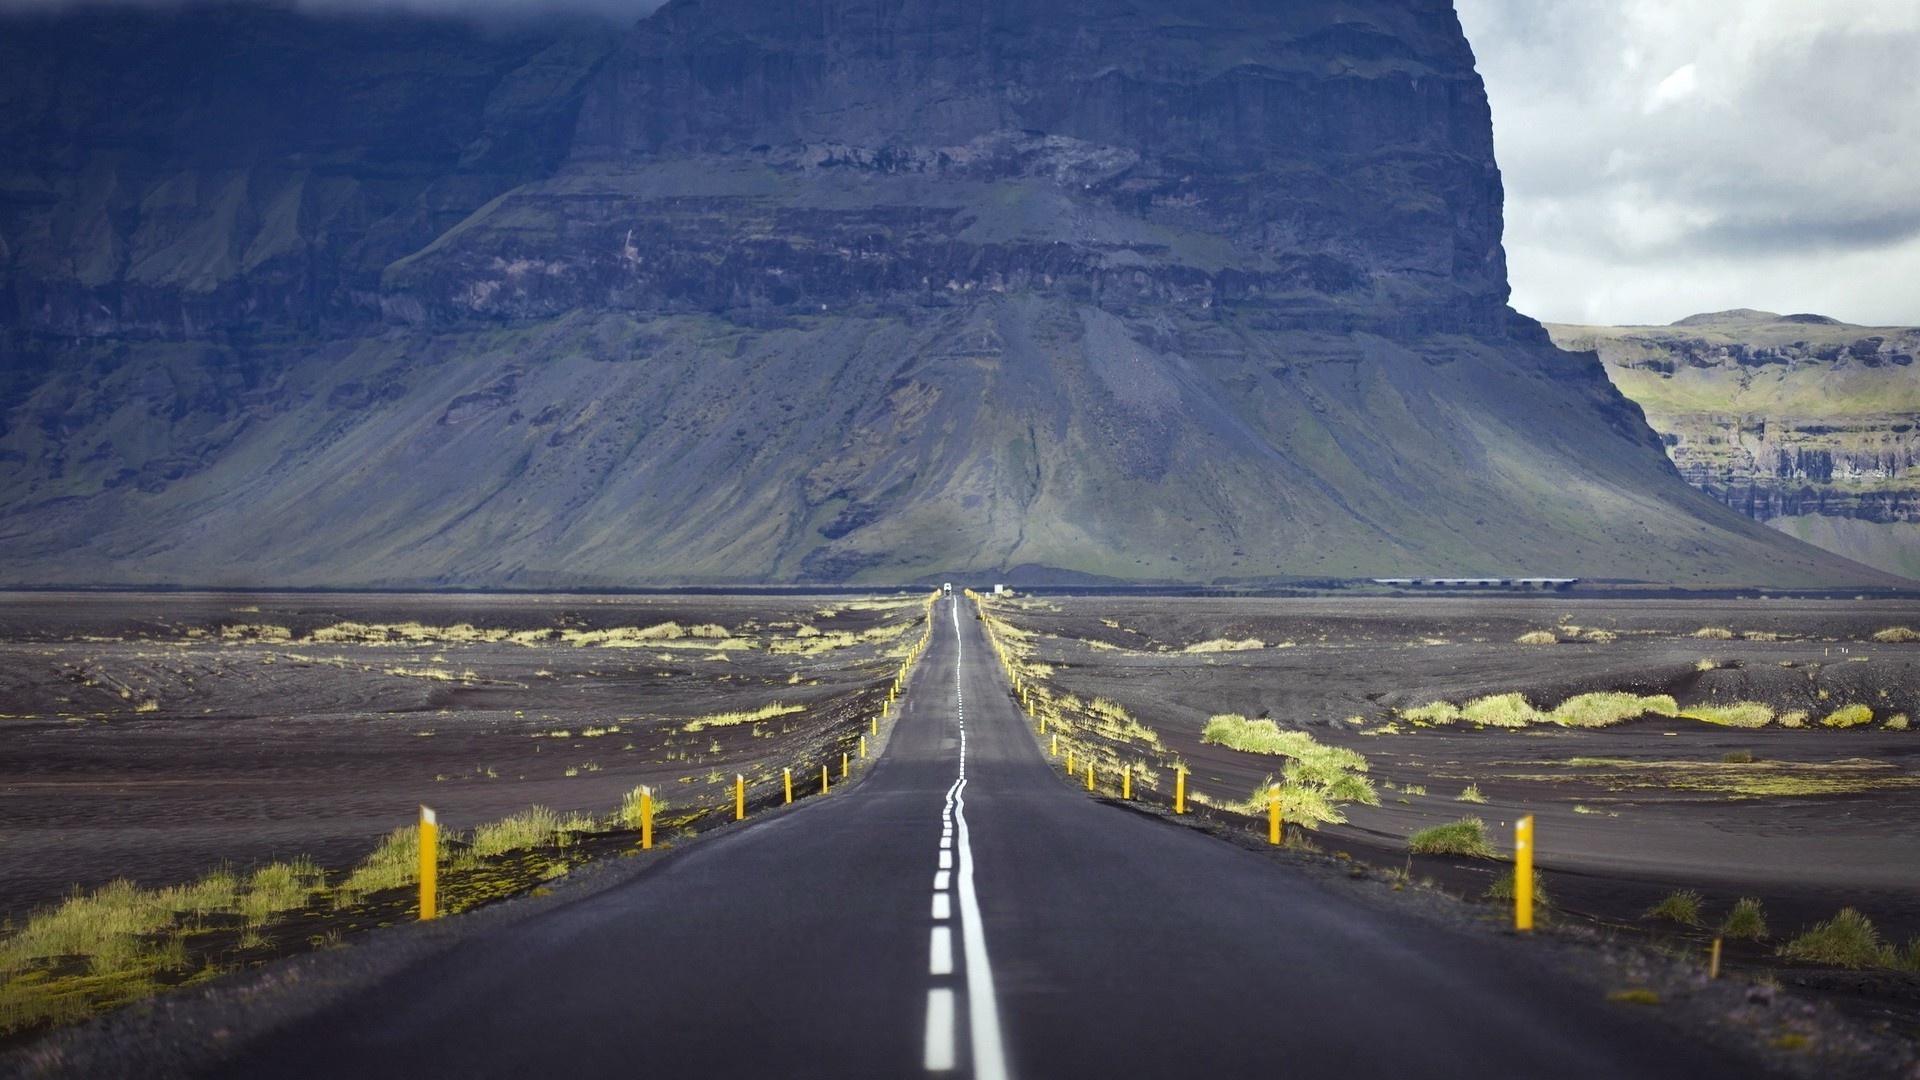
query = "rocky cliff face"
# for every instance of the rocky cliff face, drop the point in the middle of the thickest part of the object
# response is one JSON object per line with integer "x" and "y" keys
{"x": 1800, "y": 421}
{"x": 769, "y": 290}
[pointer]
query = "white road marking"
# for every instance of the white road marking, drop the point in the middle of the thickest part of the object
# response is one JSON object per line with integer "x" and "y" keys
{"x": 940, "y": 952}
{"x": 942, "y": 880}
{"x": 946, "y": 841}
{"x": 942, "y": 906}
{"x": 946, "y": 860}
{"x": 939, "y": 1052}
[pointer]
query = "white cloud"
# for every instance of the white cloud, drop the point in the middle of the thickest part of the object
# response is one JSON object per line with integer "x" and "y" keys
{"x": 1663, "y": 157}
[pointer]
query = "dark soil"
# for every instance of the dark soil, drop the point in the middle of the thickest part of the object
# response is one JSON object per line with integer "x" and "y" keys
{"x": 136, "y": 742}
{"x": 1611, "y": 840}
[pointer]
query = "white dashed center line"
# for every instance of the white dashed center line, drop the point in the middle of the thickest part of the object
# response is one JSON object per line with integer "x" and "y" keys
{"x": 983, "y": 1008}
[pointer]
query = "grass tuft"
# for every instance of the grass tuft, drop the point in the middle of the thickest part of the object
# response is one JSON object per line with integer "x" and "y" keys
{"x": 1500, "y": 710}
{"x": 1847, "y": 940}
{"x": 1502, "y": 889}
{"x": 1746, "y": 922}
{"x": 1470, "y": 794}
{"x": 1714, "y": 633}
{"x": 1681, "y": 906}
{"x": 1538, "y": 637}
{"x": 1468, "y": 837}
{"x": 1894, "y": 635}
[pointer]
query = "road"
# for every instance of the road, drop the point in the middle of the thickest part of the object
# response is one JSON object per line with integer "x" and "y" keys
{"x": 963, "y": 912}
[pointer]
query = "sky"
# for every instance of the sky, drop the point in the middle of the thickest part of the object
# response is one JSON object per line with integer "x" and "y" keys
{"x": 1666, "y": 157}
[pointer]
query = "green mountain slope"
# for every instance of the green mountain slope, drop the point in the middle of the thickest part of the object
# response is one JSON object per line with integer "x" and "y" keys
{"x": 1800, "y": 421}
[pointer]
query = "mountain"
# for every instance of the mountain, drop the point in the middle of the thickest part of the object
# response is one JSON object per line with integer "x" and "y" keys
{"x": 795, "y": 290}
{"x": 1801, "y": 421}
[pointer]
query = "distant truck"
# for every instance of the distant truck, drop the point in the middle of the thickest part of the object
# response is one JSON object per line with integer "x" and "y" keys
{"x": 947, "y": 589}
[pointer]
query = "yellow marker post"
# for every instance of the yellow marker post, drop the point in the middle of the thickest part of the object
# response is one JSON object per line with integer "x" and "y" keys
{"x": 873, "y": 726}
{"x": 1056, "y": 745}
{"x": 843, "y": 765}
{"x": 823, "y": 779}
{"x": 646, "y": 818}
{"x": 1069, "y": 761}
{"x": 739, "y": 797}
{"x": 1713, "y": 965}
{"x": 1089, "y": 776}
{"x": 863, "y": 748}
{"x": 1179, "y": 791}
{"x": 1273, "y": 815}
{"x": 1126, "y": 782}
{"x": 429, "y": 864}
{"x": 1523, "y": 873}
{"x": 788, "y": 776}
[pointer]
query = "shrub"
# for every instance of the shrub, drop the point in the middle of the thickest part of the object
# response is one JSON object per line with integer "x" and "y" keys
{"x": 1500, "y": 710}
{"x": 1848, "y": 716}
{"x": 1740, "y": 714}
{"x": 1715, "y": 633}
{"x": 1468, "y": 836}
{"x": 1847, "y": 940}
{"x": 1470, "y": 794}
{"x": 1600, "y": 637}
{"x": 1502, "y": 889}
{"x": 1538, "y": 637}
{"x": 1894, "y": 635}
{"x": 1896, "y": 722}
{"x": 1681, "y": 906}
{"x": 1797, "y": 718}
{"x": 1745, "y": 922}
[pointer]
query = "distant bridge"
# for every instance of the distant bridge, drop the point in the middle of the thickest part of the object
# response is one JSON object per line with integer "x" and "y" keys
{"x": 1558, "y": 583}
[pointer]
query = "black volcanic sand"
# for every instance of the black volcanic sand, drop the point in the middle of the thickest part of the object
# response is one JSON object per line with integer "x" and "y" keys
{"x": 137, "y": 742}
{"x": 1611, "y": 840}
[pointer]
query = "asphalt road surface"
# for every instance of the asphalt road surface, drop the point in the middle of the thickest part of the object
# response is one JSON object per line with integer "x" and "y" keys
{"x": 964, "y": 912}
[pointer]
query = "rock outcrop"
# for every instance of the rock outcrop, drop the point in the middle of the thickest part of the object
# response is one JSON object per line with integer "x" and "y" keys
{"x": 795, "y": 290}
{"x": 1800, "y": 421}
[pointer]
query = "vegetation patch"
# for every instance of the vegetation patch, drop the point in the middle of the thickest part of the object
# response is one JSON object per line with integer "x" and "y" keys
{"x": 1317, "y": 778}
{"x": 1894, "y": 635}
{"x": 1503, "y": 889}
{"x": 1218, "y": 645}
{"x": 1740, "y": 714}
{"x": 733, "y": 719}
{"x": 1538, "y": 637}
{"x": 1746, "y": 922}
{"x": 1742, "y": 780}
{"x": 1600, "y": 709}
{"x": 1467, "y": 837}
{"x": 1848, "y": 716}
{"x": 1680, "y": 906}
{"x": 1470, "y": 794}
{"x": 1847, "y": 940}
